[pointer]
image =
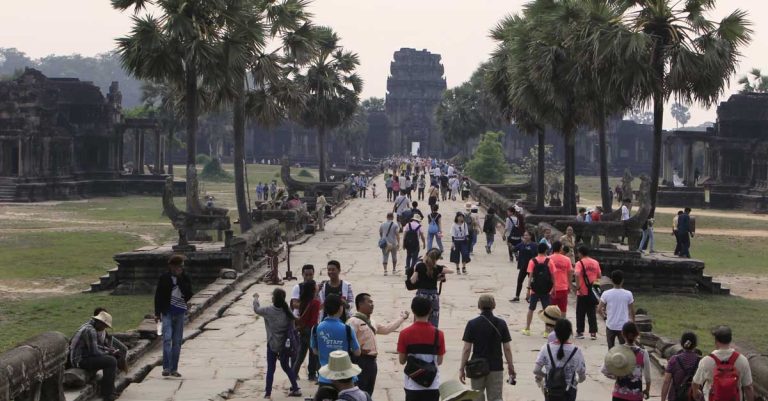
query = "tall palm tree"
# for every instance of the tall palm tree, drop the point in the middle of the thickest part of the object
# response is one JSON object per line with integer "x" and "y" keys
{"x": 179, "y": 46}
{"x": 693, "y": 57}
{"x": 332, "y": 88}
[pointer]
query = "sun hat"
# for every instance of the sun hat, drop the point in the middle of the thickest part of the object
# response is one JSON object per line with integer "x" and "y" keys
{"x": 339, "y": 367}
{"x": 105, "y": 318}
{"x": 416, "y": 217}
{"x": 468, "y": 206}
{"x": 620, "y": 361}
{"x": 453, "y": 390}
{"x": 550, "y": 314}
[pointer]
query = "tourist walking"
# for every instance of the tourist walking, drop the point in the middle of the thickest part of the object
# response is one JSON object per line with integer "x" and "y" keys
{"x": 90, "y": 353}
{"x": 680, "y": 370}
{"x": 389, "y": 242}
{"x": 588, "y": 274}
{"x": 629, "y": 365}
{"x": 388, "y": 184}
{"x": 647, "y": 240}
{"x": 172, "y": 294}
{"x": 541, "y": 273}
{"x": 366, "y": 330}
{"x": 454, "y": 183}
{"x": 426, "y": 277}
{"x": 395, "y": 187}
{"x": 489, "y": 228}
{"x": 335, "y": 285}
{"x": 320, "y": 205}
{"x": 560, "y": 364}
{"x": 279, "y": 322}
{"x": 412, "y": 238}
{"x": 675, "y": 232}
{"x": 434, "y": 228}
{"x": 434, "y": 194}
{"x": 460, "y": 247}
{"x": 718, "y": 370}
{"x": 525, "y": 250}
{"x": 421, "y": 347}
{"x": 331, "y": 334}
{"x": 563, "y": 276}
{"x": 445, "y": 187}
{"x": 415, "y": 211}
{"x": 513, "y": 232}
{"x": 422, "y": 185}
{"x": 402, "y": 205}
{"x": 473, "y": 225}
{"x": 308, "y": 316}
{"x": 617, "y": 307}
{"x": 685, "y": 233}
{"x": 342, "y": 372}
{"x": 465, "y": 189}
{"x": 486, "y": 338}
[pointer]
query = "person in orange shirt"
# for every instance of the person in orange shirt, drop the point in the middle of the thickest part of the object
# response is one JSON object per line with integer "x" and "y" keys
{"x": 585, "y": 304}
{"x": 544, "y": 297}
{"x": 563, "y": 276}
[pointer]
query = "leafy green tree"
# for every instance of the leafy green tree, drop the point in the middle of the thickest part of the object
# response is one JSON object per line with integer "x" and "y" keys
{"x": 373, "y": 104}
{"x": 692, "y": 57}
{"x": 681, "y": 114}
{"x": 488, "y": 164}
{"x": 332, "y": 89}
{"x": 754, "y": 82}
{"x": 639, "y": 116}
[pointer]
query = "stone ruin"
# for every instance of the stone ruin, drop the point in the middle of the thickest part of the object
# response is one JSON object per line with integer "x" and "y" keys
{"x": 60, "y": 138}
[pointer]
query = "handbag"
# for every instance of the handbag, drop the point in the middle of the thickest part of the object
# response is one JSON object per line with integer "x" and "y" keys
{"x": 383, "y": 240}
{"x": 593, "y": 292}
{"x": 454, "y": 258}
{"x": 477, "y": 368}
{"x": 422, "y": 372}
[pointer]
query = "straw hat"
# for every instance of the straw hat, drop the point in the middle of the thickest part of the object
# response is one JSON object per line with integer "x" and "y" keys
{"x": 105, "y": 318}
{"x": 339, "y": 367}
{"x": 468, "y": 206}
{"x": 416, "y": 217}
{"x": 620, "y": 361}
{"x": 550, "y": 314}
{"x": 453, "y": 390}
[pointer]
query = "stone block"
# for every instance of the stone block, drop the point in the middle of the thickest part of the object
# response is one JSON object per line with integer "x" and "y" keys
{"x": 228, "y": 274}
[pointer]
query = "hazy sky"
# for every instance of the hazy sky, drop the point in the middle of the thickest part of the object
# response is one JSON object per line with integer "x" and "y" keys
{"x": 456, "y": 29}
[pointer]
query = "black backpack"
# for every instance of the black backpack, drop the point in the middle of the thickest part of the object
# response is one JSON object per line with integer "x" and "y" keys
{"x": 557, "y": 382}
{"x": 411, "y": 240}
{"x": 541, "y": 278}
{"x": 683, "y": 390}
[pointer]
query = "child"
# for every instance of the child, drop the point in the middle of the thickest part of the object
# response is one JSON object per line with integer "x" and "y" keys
{"x": 373, "y": 191}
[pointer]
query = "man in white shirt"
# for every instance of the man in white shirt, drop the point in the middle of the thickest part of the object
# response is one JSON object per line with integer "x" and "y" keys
{"x": 723, "y": 357}
{"x": 402, "y": 203}
{"x": 617, "y": 306}
{"x": 626, "y": 205}
{"x": 308, "y": 274}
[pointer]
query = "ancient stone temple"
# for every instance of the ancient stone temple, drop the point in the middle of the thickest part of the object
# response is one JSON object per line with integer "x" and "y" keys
{"x": 725, "y": 166}
{"x": 414, "y": 90}
{"x": 60, "y": 138}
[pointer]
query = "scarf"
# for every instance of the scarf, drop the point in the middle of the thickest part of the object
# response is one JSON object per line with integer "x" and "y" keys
{"x": 365, "y": 319}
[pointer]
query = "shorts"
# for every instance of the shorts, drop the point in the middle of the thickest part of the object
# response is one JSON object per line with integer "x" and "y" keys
{"x": 385, "y": 254}
{"x": 544, "y": 299}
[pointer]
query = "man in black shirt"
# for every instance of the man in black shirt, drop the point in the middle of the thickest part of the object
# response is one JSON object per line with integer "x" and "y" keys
{"x": 485, "y": 337}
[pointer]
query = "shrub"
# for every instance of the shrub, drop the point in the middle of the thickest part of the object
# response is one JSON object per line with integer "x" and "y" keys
{"x": 488, "y": 165}
{"x": 202, "y": 159}
{"x": 305, "y": 173}
{"x": 214, "y": 172}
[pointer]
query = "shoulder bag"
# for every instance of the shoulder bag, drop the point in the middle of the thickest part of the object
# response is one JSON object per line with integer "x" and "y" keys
{"x": 383, "y": 240}
{"x": 477, "y": 368}
{"x": 593, "y": 292}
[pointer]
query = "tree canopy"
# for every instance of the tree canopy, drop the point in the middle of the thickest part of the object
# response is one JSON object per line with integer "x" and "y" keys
{"x": 488, "y": 164}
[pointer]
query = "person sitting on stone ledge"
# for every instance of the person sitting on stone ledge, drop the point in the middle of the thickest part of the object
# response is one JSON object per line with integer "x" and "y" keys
{"x": 87, "y": 353}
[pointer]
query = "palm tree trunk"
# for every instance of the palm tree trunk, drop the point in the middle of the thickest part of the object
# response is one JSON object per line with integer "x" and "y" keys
{"x": 658, "y": 122}
{"x": 169, "y": 150}
{"x": 239, "y": 139}
{"x": 569, "y": 187}
{"x": 540, "y": 172}
{"x": 191, "y": 104}
{"x": 321, "y": 151}
{"x": 605, "y": 193}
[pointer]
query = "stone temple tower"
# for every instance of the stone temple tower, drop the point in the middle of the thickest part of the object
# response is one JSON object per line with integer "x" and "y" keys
{"x": 414, "y": 90}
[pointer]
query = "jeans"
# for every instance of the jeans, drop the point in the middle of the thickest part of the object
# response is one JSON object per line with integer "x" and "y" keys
{"x": 522, "y": 274}
{"x": 389, "y": 193}
{"x": 677, "y": 242}
{"x": 108, "y": 366}
{"x": 314, "y": 363}
{"x": 685, "y": 244}
{"x": 366, "y": 380}
{"x": 612, "y": 335}
{"x": 411, "y": 257}
{"x": 421, "y": 193}
{"x": 647, "y": 239}
{"x": 272, "y": 359}
{"x": 434, "y": 298}
{"x": 472, "y": 241}
{"x": 489, "y": 240}
{"x": 173, "y": 332}
{"x": 490, "y": 386}
{"x": 439, "y": 240}
{"x": 585, "y": 308}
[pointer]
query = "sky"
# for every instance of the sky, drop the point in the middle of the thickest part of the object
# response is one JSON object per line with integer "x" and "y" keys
{"x": 375, "y": 29}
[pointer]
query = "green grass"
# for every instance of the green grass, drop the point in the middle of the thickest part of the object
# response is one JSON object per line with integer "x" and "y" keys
{"x": 20, "y": 320}
{"x": 128, "y": 209}
{"x": 721, "y": 254}
{"x": 723, "y": 221}
{"x": 82, "y": 256}
{"x": 672, "y": 315}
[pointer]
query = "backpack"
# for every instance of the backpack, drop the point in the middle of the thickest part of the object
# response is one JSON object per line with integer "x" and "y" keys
{"x": 541, "y": 278}
{"x": 292, "y": 342}
{"x": 683, "y": 391}
{"x": 348, "y": 329}
{"x": 411, "y": 240}
{"x": 557, "y": 383}
{"x": 433, "y": 227}
{"x": 725, "y": 382}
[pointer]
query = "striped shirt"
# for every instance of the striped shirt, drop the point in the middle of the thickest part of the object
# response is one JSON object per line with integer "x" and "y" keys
{"x": 85, "y": 343}
{"x": 178, "y": 305}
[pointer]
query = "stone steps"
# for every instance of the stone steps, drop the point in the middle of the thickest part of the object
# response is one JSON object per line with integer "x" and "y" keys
{"x": 106, "y": 282}
{"x": 708, "y": 285}
{"x": 7, "y": 192}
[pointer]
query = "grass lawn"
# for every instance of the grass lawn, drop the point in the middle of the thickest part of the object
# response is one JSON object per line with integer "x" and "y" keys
{"x": 724, "y": 222}
{"x": 127, "y": 209}
{"x": 722, "y": 254}
{"x": 52, "y": 256}
{"x": 20, "y": 320}
{"x": 672, "y": 315}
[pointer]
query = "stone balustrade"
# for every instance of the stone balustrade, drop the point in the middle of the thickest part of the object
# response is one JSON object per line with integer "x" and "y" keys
{"x": 34, "y": 369}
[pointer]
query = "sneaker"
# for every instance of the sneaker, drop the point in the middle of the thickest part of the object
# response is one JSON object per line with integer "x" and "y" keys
{"x": 385, "y": 272}
{"x": 312, "y": 378}
{"x": 464, "y": 270}
{"x": 488, "y": 249}
{"x": 295, "y": 393}
{"x": 545, "y": 334}
{"x": 526, "y": 332}
{"x": 593, "y": 336}
{"x": 579, "y": 336}
{"x": 166, "y": 373}
{"x": 515, "y": 299}
{"x": 175, "y": 374}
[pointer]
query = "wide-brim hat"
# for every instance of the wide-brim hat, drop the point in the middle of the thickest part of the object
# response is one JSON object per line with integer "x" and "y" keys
{"x": 339, "y": 367}
{"x": 105, "y": 318}
{"x": 416, "y": 217}
{"x": 468, "y": 206}
{"x": 453, "y": 390}
{"x": 550, "y": 314}
{"x": 620, "y": 361}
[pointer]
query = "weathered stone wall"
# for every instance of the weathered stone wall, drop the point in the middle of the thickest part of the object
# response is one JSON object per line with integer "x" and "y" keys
{"x": 34, "y": 369}
{"x": 69, "y": 189}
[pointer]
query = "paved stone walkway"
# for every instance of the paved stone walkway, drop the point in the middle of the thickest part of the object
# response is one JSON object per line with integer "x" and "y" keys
{"x": 228, "y": 359}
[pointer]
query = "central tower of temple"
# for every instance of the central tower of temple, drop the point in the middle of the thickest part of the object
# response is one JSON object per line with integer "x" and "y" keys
{"x": 414, "y": 90}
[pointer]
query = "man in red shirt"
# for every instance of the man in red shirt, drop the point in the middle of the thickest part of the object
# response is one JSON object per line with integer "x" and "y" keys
{"x": 584, "y": 304}
{"x": 563, "y": 276}
{"x": 418, "y": 341}
{"x": 532, "y": 297}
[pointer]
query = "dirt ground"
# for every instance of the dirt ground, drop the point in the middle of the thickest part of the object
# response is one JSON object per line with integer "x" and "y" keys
{"x": 745, "y": 286}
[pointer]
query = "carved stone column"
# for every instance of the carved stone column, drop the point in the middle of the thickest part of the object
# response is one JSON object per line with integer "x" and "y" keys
{"x": 141, "y": 151}
{"x": 158, "y": 152}
{"x": 136, "y": 152}
{"x": 21, "y": 158}
{"x": 688, "y": 163}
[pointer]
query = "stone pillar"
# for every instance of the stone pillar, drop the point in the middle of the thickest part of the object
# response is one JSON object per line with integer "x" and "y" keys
{"x": 688, "y": 163}
{"x": 161, "y": 169}
{"x": 119, "y": 158}
{"x": 136, "y": 153}
{"x": 667, "y": 160}
{"x": 141, "y": 151}
{"x": 21, "y": 158}
{"x": 158, "y": 152}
